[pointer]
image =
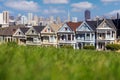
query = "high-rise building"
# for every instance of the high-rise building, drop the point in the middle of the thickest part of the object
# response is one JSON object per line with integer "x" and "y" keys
{"x": 51, "y": 19}
{"x": 1, "y": 18}
{"x": 35, "y": 18}
{"x": 30, "y": 18}
{"x": 6, "y": 17}
{"x": 74, "y": 19}
{"x": 24, "y": 20}
{"x": 87, "y": 14}
{"x": 58, "y": 20}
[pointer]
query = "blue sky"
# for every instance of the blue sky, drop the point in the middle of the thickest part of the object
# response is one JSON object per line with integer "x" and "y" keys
{"x": 60, "y": 8}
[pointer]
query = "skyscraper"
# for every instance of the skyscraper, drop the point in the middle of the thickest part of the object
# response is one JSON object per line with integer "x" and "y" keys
{"x": 58, "y": 20}
{"x": 87, "y": 14}
{"x": 6, "y": 17}
{"x": 30, "y": 18}
{"x": 24, "y": 20}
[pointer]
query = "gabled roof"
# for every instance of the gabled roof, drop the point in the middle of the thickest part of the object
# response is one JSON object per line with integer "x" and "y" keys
{"x": 38, "y": 28}
{"x": 9, "y": 31}
{"x": 55, "y": 27}
{"x": 74, "y": 25}
{"x": 111, "y": 23}
{"x": 24, "y": 29}
{"x": 92, "y": 24}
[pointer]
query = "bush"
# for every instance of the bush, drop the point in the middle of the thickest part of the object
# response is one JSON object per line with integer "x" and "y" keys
{"x": 89, "y": 47}
{"x": 113, "y": 47}
{"x": 12, "y": 44}
{"x": 67, "y": 46}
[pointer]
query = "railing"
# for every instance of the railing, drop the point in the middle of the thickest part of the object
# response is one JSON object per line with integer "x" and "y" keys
{"x": 66, "y": 41}
{"x": 33, "y": 43}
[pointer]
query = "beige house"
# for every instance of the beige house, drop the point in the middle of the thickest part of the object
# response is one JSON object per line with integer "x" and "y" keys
{"x": 6, "y": 34}
{"x": 106, "y": 34}
{"x": 49, "y": 34}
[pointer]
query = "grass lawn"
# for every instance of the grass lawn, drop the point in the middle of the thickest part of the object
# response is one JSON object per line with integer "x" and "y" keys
{"x": 40, "y": 63}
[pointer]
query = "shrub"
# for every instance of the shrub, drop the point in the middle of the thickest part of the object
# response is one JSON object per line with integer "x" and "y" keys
{"x": 67, "y": 46}
{"x": 113, "y": 47}
{"x": 89, "y": 47}
{"x": 12, "y": 44}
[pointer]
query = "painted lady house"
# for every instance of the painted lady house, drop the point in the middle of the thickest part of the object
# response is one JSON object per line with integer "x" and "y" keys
{"x": 33, "y": 35}
{"x": 106, "y": 34}
{"x": 20, "y": 35}
{"x": 66, "y": 34}
{"x": 49, "y": 35}
{"x": 85, "y": 34}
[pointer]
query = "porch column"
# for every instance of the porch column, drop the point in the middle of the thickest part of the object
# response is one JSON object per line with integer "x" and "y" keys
{"x": 85, "y": 36}
{"x": 105, "y": 34}
{"x": 90, "y": 37}
{"x": 60, "y": 36}
{"x": 66, "y": 37}
{"x": 111, "y": 34}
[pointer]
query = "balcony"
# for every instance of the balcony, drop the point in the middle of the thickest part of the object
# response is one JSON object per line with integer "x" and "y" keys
{"x": 67, "y": 41}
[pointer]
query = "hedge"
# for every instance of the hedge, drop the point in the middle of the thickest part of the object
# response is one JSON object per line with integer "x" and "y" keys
{"x": 113, "y": 47}
{"x": 89, "y": 47}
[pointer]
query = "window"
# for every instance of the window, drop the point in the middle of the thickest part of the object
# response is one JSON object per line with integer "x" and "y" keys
{"x": 69, "y": 37}
{"x": 32, "y": 31}
{"x": 88, "y": 35}
{"x": 112, "y": 34}
{"x": 19, "y": 33}
{"x": 66, "y": 29}
{"x": 48, "y": 29}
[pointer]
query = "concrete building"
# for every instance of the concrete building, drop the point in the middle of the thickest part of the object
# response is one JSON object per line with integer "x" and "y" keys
{"x": 6, "y": 17}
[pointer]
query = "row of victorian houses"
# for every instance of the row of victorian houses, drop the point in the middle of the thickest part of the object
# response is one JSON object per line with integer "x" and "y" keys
{"x": 77, "y": 34}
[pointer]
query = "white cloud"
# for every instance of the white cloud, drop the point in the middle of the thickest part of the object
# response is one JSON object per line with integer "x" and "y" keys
{"x": 56, "y": 1}
{"x": 53, "y": 11}
{"x": 23, "y": 5}
{"x": 81, "y": 6}
{"x": 114, "y": 12}
{"x": 109, "y": 1}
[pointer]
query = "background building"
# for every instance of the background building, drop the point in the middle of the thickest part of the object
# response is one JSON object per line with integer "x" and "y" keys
{"x": 24, "y": 20}
{"x": 6, "y": 17}
{"x": 87, "y": 15}
{"x": 30, "y": 18}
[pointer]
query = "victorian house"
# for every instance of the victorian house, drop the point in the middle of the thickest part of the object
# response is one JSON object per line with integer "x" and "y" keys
{"x": 33, "y": 35}
{"x": 85, "y": 34}
{"x": 106, "y": 34}
{"x": 66, "y": 34}
{"x": 6, "y": 34}
{"x": 20, "y": 36}
{"x": 49, "y": 34}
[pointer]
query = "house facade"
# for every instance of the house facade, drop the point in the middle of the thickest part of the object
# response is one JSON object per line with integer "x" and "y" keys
{"x": 66, "y": 34}
{"x": 20, "y": 36}
{"x": 85, "y": 34}
{"x": 49, "y": 35}
{"x": 6, "y": 34}
{"x": 106, "y": 34}
{"x": 33, "y": 36}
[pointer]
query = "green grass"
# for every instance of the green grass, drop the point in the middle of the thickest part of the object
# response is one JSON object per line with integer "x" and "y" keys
{"x": 39, "y": 63}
